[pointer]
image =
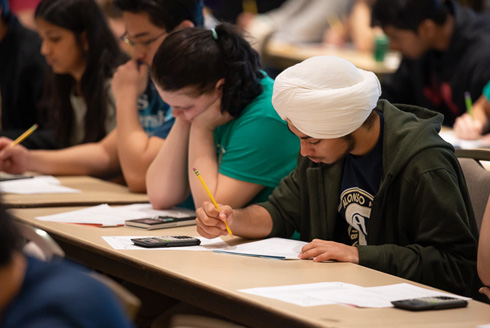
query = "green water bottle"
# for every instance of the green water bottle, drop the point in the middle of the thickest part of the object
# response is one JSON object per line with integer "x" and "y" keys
{"x": 380, "y": 47}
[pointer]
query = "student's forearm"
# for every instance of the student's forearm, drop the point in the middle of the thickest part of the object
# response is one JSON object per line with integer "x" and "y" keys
{"x": 87, "y": 159}
{"x": 167, "y": 180}
{"x": 202, "y": 156}
{"x": 251, "y": 222}
{"x": 133, "y": 144}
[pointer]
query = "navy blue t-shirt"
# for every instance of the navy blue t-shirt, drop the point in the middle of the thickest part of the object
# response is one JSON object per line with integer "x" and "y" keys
{"x": 360, "y": 182}
{"x": 155, "y": 115}
{"x": 61, "y": 294}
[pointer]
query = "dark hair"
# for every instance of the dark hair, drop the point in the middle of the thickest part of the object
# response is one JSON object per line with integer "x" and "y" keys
{"x": 192, "y": 57}
{"x": 408, "y": 14}
{"x": 367, "y": 124}
{"x": 167, "y": 14}
{"x": 10, "y": 239}
{"x": 102, "y": 57}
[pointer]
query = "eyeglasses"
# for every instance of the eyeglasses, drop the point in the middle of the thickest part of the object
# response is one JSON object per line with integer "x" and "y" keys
{"x": 147, "y": 43}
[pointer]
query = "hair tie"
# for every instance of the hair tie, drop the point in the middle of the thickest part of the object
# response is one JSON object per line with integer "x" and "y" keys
{"x": 215, "y": 34}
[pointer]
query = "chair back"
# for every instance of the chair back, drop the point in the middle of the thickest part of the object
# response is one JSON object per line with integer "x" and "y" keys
{"x": 39, "y": 243}
{"x": 128, "y": 300}
{"x": 478, "y": 183}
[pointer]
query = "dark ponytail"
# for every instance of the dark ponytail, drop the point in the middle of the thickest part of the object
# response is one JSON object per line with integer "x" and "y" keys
{"x": 199, "y": 58}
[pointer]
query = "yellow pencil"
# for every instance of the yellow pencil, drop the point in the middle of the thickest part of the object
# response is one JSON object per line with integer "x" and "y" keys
{"x": 24, "y": 135}
{"x": 212, "y": 199}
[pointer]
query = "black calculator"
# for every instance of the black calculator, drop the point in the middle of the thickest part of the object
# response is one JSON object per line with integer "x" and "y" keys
{"x": 166, "y": 241}
{"x": 430, "y": 303}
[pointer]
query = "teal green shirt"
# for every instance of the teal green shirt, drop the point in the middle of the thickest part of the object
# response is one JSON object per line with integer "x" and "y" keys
{"x": 486, "y": 91}
{"x": 257, "y": 147}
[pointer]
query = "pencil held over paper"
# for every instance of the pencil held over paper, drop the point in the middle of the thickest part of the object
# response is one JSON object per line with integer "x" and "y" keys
{"x": 212, "y": 199}
{"x": 24, "y": 135}
{"x": 469, "y": 104}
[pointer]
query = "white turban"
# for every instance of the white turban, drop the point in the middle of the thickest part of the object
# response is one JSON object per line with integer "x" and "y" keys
{"x": 325, "y": 97}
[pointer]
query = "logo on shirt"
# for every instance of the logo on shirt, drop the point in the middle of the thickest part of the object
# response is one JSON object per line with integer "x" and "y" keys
{"x": 357, "y": 205}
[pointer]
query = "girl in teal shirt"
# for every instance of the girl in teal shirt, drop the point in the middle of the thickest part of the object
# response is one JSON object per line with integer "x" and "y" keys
{"x": 225, "y": 124}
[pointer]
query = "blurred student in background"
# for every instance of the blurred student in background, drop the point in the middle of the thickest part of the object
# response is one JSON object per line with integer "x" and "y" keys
{"x": 115, "y": 22}
{"x": 83, "y": 55}
{"x": 143, "y": 119}
{"x": 21, "y": 80}
{"x": 225, "y": 124}
{"x": 355, "y": 28}
{"x": 294, "y": 21}
{"x": 446, "y": 52}
{"x": 24, "y": 10}
{"x": 35, "y": 293}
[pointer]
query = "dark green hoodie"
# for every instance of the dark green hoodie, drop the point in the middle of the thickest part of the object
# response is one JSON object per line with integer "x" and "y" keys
{"x": 422, "y": 225}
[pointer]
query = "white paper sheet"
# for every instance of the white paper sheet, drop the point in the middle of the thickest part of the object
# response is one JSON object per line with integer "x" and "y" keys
{"x": 342, "y": 293}
{"x": 35, "y": 185}
{"x": 112, "y": 216}
{"x": 302, "y": 295}
{"x": 276, "y": 248}
{"x": 450, "y": 137}
{"x": 279, "y": 248}
{"x": 124, "y": 242}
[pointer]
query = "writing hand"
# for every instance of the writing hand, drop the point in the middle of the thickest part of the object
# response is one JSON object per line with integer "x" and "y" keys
{"x": 210, "y": 221}
{"x": 13, "y": 160}
{"x": 467, "y": 127}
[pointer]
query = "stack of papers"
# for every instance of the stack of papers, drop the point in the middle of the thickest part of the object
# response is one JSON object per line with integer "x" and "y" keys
{"x": 106, "y": 215}
{"x": 324, "y": 293}
{"x": 35, "y": 185}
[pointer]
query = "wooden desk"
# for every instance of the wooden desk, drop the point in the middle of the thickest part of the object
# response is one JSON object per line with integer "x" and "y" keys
{"x": 282, "y": 55}
{"x": 94, "y": 191}
{"x": 212, "y": 280}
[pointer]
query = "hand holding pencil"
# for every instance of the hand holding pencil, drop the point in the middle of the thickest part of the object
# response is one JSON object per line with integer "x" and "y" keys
{"x": 24, "y": 135}
{"x": 212, "y": 199}
{"x": 14, "y": 158}
{"x": 470, "y": 125}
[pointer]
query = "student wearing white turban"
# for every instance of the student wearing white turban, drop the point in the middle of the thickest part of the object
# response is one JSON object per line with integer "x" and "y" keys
{"x": 371, "y": 186}
{"x": 326, "y": 106}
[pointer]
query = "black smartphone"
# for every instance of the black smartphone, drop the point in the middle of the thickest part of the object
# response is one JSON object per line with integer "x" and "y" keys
{"x": 166, "y": 241}
{"x": 430, "y": 303}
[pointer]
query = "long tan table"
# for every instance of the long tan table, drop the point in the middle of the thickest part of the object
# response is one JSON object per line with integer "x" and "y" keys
{"x": 93, "y": 192}
{"x": 212, "y": 280}
{"x": 282, "y": 55}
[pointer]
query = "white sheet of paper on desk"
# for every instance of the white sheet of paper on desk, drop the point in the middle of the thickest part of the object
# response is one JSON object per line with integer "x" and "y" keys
{"x": 35, "y": 185}
{"x": 450, "y": 137}
{"x": 112, "y": 216}
{"x": 276, "y": 248}
{"x": 302, "y": 295}
{"x": 343, "y": 293}
{"x": 124, "y": 242}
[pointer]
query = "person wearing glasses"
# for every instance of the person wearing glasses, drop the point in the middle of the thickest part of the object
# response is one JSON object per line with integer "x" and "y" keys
{"x": 142, "y": 118}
